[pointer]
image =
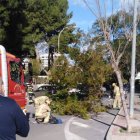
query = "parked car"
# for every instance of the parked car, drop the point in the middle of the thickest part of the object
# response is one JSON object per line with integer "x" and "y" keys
{"x": 73, "y": 90}
{"x": 42, "y": 90}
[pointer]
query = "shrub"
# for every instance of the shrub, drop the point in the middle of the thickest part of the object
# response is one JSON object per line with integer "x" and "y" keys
{"x": 93, "y": 104}
{"x": 70, "y": 106}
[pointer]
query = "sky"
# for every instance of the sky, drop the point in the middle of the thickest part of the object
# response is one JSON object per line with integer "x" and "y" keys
{"x": 82, "y": 15}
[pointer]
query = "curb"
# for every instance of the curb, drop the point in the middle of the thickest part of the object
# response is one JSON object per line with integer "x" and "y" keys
{"x": 109, "y": 133}
{"x": 116, "y": 126}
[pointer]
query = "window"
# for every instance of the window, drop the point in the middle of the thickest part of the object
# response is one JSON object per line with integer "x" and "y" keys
{"x": 15, "y": 71}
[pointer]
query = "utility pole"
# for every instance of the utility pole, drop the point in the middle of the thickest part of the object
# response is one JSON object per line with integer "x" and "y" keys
{"x": 133, "y": 60}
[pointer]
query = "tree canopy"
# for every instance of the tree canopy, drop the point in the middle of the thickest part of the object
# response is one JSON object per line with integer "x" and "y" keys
{"x": 119, "y": 33}
{"x": 26, "y": 22}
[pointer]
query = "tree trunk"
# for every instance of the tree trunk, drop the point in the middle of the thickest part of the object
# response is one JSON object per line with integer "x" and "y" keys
{"x": 118, "y": 74}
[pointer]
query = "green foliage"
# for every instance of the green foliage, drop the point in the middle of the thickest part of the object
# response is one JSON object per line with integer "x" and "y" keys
{"x": 2, "y": 34}
{"x": 62, "y": 94}
{"x": 36, "y": 66}
{"x": 11, "y": 17}
{"x": 70, "y": 106}
{"x": 60, "y": 72}
{"x": 44, "y": 20}
{"x": 94, "y": 105}
{"x": 89, "y": 71}
{"x": 94, "y": 69}
{"x": 26, "y": 22}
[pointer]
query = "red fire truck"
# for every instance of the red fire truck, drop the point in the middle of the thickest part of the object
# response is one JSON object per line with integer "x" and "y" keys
{"x": 12, "y": 75}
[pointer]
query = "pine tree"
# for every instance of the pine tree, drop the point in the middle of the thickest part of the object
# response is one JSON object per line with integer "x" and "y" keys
{"x": 26, "y": 22}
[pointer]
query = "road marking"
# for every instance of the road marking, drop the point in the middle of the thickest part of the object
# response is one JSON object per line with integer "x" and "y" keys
{"x": 69, "y": 135}
{"x": 80, "y": 124}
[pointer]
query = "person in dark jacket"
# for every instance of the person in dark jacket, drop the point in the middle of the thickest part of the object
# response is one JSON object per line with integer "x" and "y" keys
{"x": 12, "y": 119}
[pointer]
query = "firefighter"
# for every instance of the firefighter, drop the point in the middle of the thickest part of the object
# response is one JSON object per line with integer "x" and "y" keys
{"x": 117, "y": 94}
{"x": 30, "y": 94}
{"x": 42, "y": 109}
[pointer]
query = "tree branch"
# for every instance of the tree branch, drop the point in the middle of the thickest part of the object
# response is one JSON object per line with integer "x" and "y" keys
{"x": 121, "y": 54}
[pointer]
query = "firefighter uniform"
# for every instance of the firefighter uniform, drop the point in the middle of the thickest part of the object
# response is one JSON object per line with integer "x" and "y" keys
{"x": 117, "y": 100}
{"x": 30, "y": 94}
{"x": 42, "y": 109}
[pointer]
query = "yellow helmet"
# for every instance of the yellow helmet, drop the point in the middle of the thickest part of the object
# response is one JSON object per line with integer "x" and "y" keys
{"x": 113, "y": 84}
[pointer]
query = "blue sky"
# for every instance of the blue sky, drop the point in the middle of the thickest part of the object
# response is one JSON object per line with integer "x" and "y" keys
{"x": 81, "y": 14}
{"x": 84, "y": 18}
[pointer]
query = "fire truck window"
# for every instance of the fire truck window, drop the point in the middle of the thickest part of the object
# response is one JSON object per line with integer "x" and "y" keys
{"x": 15, "y": 71}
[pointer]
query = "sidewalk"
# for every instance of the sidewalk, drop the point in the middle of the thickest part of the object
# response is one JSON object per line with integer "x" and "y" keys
{"x": 117, "y": 131}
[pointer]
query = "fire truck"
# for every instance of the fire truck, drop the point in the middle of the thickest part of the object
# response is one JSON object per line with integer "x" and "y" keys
{"x": 12, "y": 75}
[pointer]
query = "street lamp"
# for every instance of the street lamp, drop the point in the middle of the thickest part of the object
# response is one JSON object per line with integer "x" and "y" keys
{"x": 60, "y": 35}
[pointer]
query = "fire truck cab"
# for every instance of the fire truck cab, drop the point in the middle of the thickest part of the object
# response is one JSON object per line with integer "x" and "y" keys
{"x": 12, "y": 75}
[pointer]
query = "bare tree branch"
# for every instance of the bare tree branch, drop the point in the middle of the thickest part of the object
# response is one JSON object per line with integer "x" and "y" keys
{"x": 115, "y": 61}
{"x": 121, "y": 54}
{"x": 118, "y": 50}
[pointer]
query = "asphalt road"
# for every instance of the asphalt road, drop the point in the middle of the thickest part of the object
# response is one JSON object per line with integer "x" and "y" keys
{"x": 72, "y": 128}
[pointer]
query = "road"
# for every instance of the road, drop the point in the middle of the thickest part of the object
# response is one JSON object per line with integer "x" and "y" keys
{"x": 72, "y": 128}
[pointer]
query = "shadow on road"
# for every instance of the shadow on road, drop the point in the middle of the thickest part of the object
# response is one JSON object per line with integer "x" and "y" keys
{"x": 107, "y": 124}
